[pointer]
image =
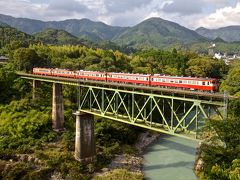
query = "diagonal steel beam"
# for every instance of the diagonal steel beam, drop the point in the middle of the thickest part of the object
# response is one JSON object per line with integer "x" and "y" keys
{"x": 183, "y": 118}
{"x": 164, "y": 119}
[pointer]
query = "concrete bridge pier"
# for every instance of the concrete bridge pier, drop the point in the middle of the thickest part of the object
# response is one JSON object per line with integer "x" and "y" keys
{"x": 85, "y": 147}
{"x": 57, "y": 108}
{"x": 36, "y": 85}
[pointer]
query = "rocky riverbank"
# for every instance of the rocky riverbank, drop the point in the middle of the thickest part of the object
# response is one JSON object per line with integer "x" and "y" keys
{"x": 133, "y": 162}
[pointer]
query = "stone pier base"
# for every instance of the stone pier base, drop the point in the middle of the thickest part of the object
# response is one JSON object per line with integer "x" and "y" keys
{"x": 85, "y": 147}
{"x": 57, "y": 108}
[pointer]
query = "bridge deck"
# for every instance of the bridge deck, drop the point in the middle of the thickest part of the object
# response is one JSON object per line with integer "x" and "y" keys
{"x": 172, "y": 111}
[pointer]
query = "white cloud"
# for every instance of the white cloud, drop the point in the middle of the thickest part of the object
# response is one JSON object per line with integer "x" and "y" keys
{"x": 189, "y": 13}
{"x": 221, "y": 17}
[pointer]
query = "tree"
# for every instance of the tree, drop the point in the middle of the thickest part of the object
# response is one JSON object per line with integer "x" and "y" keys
{"x": 232, "y": 82}
{"x": 25, "y": 59}
{"x": 107, "y": 64}
{"x": 205, "y": 67}
{"x": 221, "y": 153}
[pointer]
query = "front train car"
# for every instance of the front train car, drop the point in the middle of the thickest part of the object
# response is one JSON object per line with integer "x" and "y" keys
{"x": 192, "y": 83}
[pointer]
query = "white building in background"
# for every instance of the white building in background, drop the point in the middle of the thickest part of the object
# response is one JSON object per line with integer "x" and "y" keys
{"x": 225, "y": 58}
{"x": 217, "y": 56}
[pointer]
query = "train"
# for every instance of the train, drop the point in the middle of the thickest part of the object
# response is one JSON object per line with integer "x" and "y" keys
{"x": 190, "y": 83}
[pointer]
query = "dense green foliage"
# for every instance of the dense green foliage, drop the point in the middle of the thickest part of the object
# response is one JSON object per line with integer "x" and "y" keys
{"x": 25, "y": 124}
{"x": 221, "y": 153}
{"x": 11, "y": 88}
{"x": 160, "y": 62}
{"x": 21, "y": 123}
{"x": 232, "y": 82}
{"x": 78, "y": 57}
{"x": 206, "y": 67}
{"x": 120, "y": 174}
{"x": 25, "y": 127}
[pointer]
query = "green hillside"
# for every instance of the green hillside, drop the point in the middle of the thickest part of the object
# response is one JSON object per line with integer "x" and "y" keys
{"x": 159, "y": 33}
{"x": 9, "y": 34}
{"x": 229, "y": 34}
{"x": 54, "y": 36}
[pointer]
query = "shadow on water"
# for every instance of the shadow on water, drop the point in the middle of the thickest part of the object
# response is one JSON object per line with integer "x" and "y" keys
{"x": 172, "y": 165}
{"x": 171, "y": 143}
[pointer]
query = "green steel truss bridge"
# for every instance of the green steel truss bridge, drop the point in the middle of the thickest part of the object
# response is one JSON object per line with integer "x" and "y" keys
{"x": 170, "y": 111}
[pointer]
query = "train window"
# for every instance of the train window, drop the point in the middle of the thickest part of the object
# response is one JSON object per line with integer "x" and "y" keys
{"x": 180, "y": 81}
{"x": 203, "y": 83}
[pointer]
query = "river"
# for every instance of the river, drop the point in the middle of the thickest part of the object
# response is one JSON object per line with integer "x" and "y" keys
{"x": 170, "y": 158}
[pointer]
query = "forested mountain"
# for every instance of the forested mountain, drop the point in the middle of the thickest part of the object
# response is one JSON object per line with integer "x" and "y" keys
{"x": 229, "y": 34}
{"x": 81, "y": 28}
{"x": 157, "y": 32}
{"x": 4, "y": 24}
{"x": 151, "y": 33}
{"x": 9, "y": 34}
{"x": 54, "y": 36}
{"x": 154, "y": 32}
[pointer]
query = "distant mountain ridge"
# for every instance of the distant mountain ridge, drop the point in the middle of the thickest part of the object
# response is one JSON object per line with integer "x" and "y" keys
{"x": 151, "y": 33}
{"x": 83, "y": 27}
{"x": 229, "y": 33}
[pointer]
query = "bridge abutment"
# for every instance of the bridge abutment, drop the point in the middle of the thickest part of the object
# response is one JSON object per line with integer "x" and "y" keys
{"x": 36, "y": 85}
{"x": 57, "y": 108}
{"x": 85, "y": 147}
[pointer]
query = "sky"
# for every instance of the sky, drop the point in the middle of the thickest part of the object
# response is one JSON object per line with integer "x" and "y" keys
{"x": 189, "y": 13}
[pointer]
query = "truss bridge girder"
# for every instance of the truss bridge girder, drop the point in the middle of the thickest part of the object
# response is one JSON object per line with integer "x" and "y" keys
{"x": 177, "y": 116}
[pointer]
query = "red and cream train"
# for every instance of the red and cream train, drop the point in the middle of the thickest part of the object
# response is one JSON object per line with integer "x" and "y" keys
{"x": 192, "y": 83}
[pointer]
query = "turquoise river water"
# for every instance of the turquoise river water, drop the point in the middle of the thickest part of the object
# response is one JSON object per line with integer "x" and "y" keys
{"x": 170, "y": 158}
